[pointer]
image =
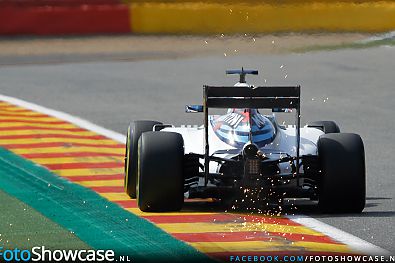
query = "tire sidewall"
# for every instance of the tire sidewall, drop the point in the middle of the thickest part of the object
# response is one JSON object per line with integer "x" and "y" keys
{"x": 135, "y": 130}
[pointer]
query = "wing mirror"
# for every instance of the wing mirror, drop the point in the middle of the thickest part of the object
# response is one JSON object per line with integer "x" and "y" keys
{"x": 286, "y": 110}
{"x": 193, "y": 108}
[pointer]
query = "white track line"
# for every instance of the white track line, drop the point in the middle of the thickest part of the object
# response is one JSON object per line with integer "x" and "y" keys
{"x": 355, "y": 243}
{"x": 67, "y": 117}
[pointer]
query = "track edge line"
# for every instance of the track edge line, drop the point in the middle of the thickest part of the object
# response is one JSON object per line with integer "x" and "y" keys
{"x": 67, "y": 117}
{"x": 355, "y": 243}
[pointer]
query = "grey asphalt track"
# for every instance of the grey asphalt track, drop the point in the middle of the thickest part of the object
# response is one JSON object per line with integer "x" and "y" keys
{"x": 356, "y": 88}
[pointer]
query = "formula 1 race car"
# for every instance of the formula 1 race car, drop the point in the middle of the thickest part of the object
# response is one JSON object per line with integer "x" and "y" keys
{"x": 245, "y": 152}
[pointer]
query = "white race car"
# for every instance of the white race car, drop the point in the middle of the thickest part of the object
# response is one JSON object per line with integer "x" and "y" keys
{"x": 245, "y": 153}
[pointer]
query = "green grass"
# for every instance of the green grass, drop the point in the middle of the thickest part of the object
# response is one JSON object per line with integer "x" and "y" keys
{"x": 94, "y": 220}
{"x": 23, "y": 227}
{"x": 355, "y": 45}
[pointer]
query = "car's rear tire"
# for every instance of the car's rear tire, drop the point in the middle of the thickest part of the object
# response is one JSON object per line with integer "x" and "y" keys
{"x": 325, "y": 126}
{"x": 342, "y": 186}
{"x": 160, "y": 184}
{"x": 135, "y": 130}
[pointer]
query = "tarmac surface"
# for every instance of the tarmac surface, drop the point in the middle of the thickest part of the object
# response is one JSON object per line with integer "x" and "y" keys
{"x": 355, "y": 88}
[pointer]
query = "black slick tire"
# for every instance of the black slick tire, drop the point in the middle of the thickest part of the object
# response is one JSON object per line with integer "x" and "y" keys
{"x": 342, "y": 186}
{"x": 135, "y": 130}
{"x": 325, "y": 126}
{"x": 160, "y": 184}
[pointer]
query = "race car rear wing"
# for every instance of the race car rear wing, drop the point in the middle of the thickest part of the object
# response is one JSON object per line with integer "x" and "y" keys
{"x": 285, "y": 97}
{"x": 259, "y": 97}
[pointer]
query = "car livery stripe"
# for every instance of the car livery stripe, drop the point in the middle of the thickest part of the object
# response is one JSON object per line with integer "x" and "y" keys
{"x": 90, "y": 160}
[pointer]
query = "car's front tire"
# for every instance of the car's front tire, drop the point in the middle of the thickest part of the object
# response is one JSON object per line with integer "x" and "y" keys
{"x": 342, "y": 186}
{"x": 160, "y": 184}
{"x": 135, "y": 130}
{"x": 325, "y": 126}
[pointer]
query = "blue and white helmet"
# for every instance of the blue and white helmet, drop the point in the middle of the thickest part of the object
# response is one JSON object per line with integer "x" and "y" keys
{"x": 234, "y": 128}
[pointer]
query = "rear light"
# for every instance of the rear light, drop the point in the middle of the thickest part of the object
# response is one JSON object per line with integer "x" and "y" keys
{"x": 253, "y": 166}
